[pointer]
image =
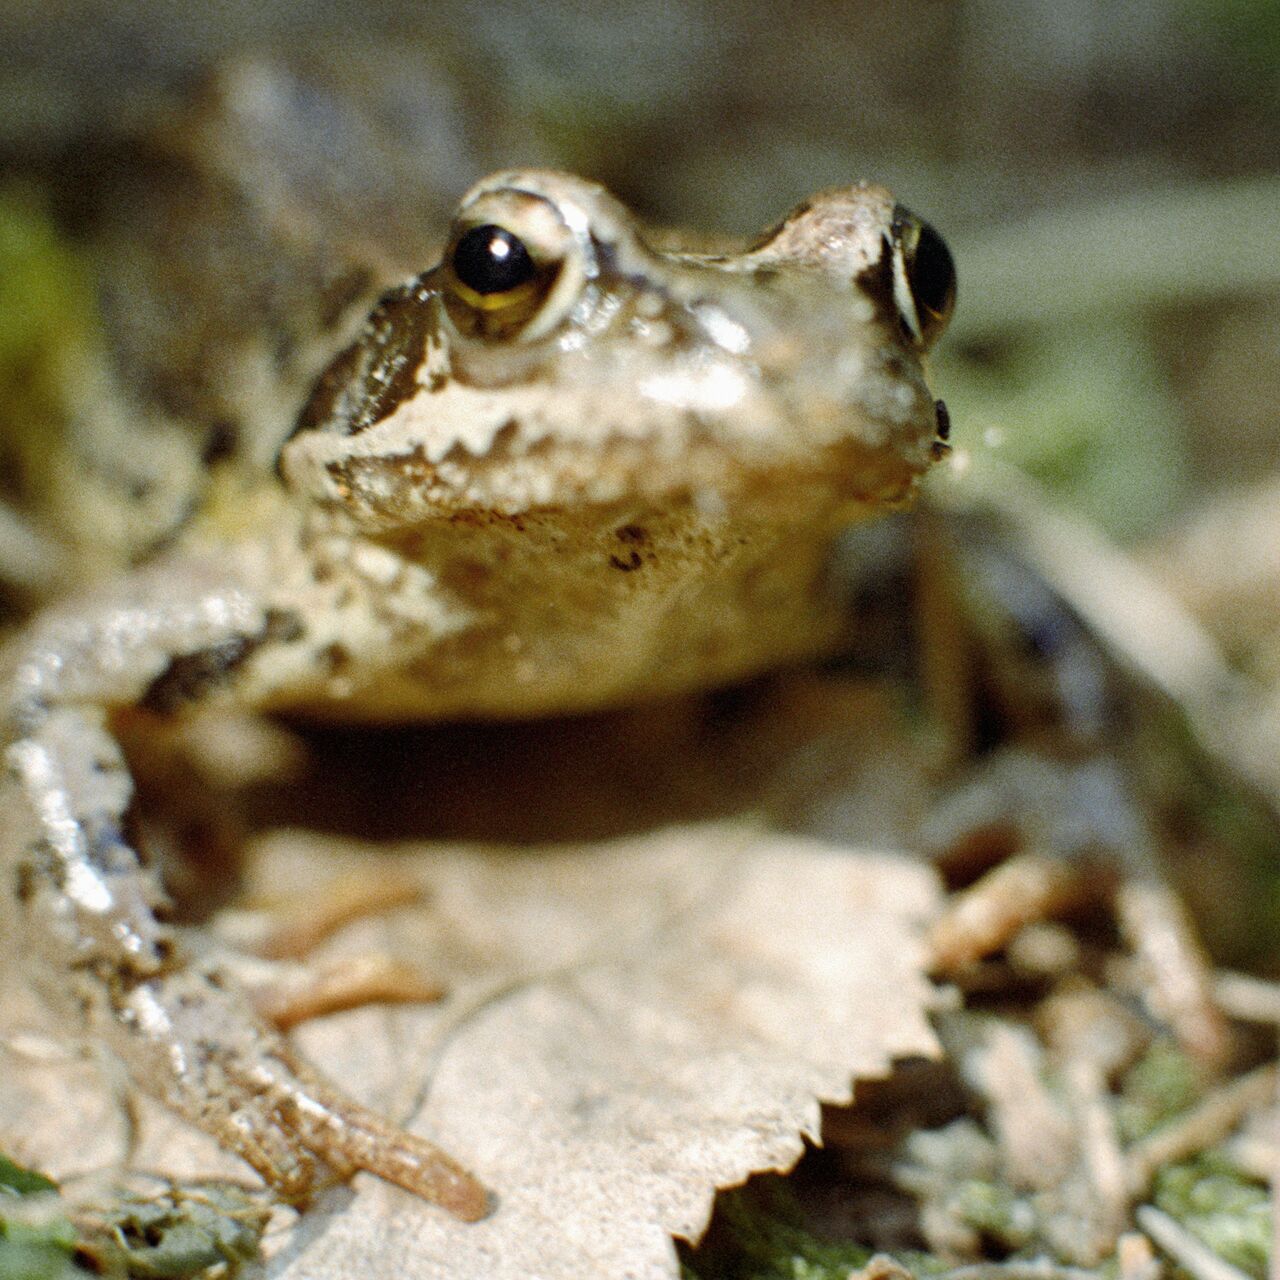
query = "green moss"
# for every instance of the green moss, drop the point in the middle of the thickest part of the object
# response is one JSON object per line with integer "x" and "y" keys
{"x": 1160, "y": 1085}
{"x": 38, "y": 1243}
{"x": 1227, "y": 872}
{"x": 180, "y": 1235}
{"x": 994, "y": 1210}
{"x": 1228, "y": 1212}
{"x": 15, "y": 1180}
{"x": 37, "y": 1261}
{"x": 759, "y": 1235}
{"x": 1242, "y": 926}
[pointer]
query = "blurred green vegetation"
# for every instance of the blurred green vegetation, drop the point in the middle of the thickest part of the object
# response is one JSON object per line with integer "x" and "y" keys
{"x": 764, "y": 1231}
{"x": 1249, "y": 30}
{"x": 1226, "y": 1212}
{"x": 48, "y": 318}
{"x": 37, "y": 1241}
{"x": 183, "y": 1234}
{"x": 1087, "y": 412}
{"x": 46, "y": 299}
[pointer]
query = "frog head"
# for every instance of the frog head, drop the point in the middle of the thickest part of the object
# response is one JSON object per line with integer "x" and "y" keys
{"x": 556, "y": 359}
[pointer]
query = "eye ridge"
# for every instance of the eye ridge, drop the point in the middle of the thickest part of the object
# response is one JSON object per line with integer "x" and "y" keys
{"x": 488, "y": 259}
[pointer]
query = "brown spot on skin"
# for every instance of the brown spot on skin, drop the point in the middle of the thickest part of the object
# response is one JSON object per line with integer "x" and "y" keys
{"x": 282, "y": 626}
{"x": 408, "y": 542}
{"x": 379, "y": 371}
{"x": 334, "y": 659}
{"x": 25, "y": 880}
{"x": 322, "y": 404}
{"x": 473, "y": 518}
{"x": 633, "y": 533}
{"x": 632, "y": 562}
{"x": 192, "y": 676}
{"x": 221, "y": 442}
{"x": 468, "y": 575}
{"x": 505, "y": 437}
{"x": 876, "y": 281}
{"x": 393, "y": 347}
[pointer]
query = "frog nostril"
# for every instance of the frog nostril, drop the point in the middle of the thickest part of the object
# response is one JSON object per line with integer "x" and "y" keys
{"x": 943, "y": 419}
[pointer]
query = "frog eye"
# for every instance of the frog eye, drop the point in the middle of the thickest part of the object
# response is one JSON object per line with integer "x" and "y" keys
{"x": 512, "y": 269}
{"x": 489, "y": 260}
{"x": 924, "y": 278}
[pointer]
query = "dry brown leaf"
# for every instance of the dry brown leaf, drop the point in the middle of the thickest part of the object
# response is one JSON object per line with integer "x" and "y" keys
{"x": 632, "y": 1025}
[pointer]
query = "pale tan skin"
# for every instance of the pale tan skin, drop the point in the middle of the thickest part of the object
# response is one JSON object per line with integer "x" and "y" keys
{"x": 621, "y": 484}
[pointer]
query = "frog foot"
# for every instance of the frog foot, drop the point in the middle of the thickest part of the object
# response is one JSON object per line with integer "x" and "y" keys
{"x": 190, "y": 1035}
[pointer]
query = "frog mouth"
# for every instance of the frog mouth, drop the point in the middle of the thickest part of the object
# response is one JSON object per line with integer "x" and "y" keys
{"x": 381, "y": 492}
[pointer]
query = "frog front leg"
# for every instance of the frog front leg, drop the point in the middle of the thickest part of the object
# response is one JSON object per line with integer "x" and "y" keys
{"x": 89, "y": 909}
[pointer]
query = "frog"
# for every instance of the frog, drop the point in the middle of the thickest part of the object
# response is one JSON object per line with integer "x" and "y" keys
{"x": 561, "y": 470}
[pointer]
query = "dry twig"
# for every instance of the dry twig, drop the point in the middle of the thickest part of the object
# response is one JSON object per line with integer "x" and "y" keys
{"x": 1190, "y": 1254}
{"x": 1201, "y": 1127}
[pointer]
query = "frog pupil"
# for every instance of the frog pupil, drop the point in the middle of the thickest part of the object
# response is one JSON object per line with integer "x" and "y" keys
{"x": 489, "y": 259}
{"x": 932, "y": 272}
